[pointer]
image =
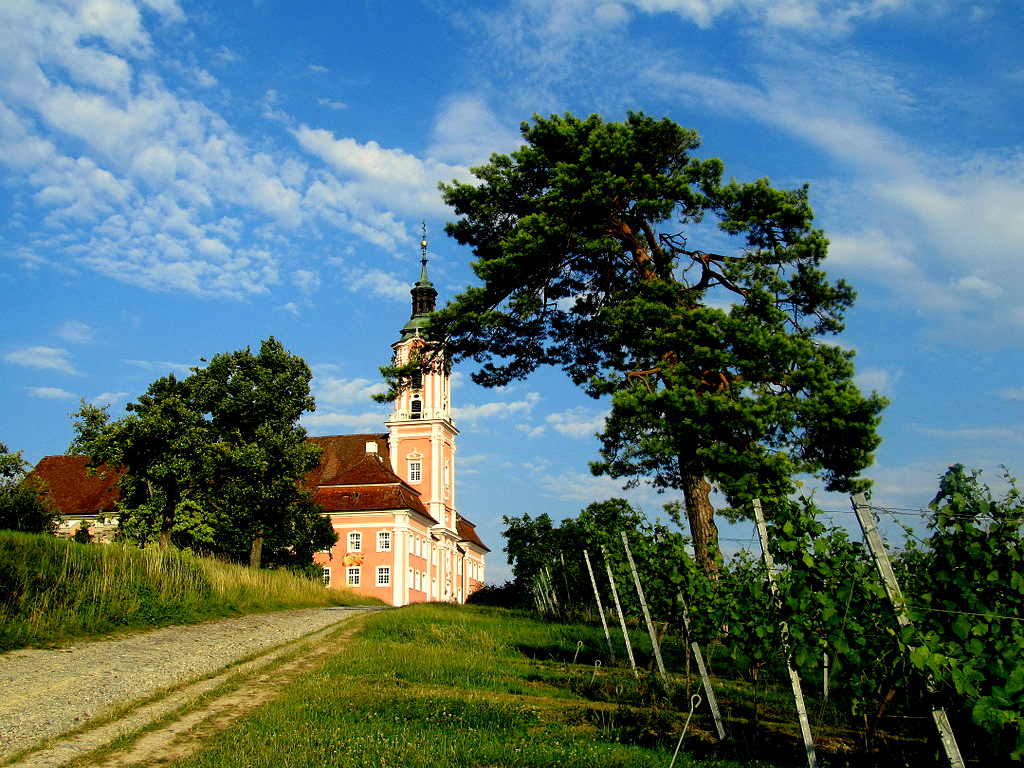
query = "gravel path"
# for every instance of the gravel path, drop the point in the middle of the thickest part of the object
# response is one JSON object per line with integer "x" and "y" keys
{"x": 47, "y": 692}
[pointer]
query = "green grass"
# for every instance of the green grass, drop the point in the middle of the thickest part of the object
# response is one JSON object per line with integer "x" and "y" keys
{"x": 437, "y": 686}
{"x": 54, "y": 591}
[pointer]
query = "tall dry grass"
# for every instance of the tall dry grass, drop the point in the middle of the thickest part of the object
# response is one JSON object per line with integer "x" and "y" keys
{"x": 53, "y": 590}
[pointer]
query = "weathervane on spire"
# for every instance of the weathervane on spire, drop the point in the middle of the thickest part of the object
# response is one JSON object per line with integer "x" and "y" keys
{"x": 423, "y": 242}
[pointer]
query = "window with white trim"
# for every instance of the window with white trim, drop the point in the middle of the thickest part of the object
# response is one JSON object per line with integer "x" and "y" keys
{"x": 415, "y": 471}
{"x": 353, "y": 577}
{"x": 384, "y": 576}
{"x": 325, "y": 575}
{"x": 355, "y": 542}
{"x": 383, "y": 541}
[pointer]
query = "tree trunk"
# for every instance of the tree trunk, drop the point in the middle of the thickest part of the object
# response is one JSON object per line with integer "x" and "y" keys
{"x": 256, "y": 553}
{"x": 701, "y": 516}
{"x": 166, "y": 518}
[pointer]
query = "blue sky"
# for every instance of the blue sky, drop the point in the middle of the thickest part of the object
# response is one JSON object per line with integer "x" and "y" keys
{"x": 184, "y": 178}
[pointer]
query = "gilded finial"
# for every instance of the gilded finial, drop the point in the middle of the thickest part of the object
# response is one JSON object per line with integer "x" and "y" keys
{"x": 423, "y": 242}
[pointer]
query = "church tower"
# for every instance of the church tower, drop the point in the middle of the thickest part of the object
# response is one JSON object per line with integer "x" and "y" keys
{"x": 422, "y": 437}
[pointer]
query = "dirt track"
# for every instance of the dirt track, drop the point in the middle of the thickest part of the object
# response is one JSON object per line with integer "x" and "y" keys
{"x": 57, "y": 703}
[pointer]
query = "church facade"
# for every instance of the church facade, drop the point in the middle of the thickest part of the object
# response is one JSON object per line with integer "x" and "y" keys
{"x": 390, "y": 496}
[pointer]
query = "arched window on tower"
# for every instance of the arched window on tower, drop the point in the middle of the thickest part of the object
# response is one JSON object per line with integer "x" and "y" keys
{"x": 417, "y": 409}
{"x": 417, "y": 379}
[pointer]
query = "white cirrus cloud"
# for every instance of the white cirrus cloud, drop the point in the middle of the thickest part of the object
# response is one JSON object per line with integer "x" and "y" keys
{"x": 51, "y": 393}
{"x": 76, "y": 331}
{"x": 43, "y": 358}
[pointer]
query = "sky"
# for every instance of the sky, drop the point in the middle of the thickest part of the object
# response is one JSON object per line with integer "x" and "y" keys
{"x": 187, "y": 177}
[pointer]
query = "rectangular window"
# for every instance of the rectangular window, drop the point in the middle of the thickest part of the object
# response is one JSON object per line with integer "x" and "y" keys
{"x": 355, "y": 542}
{"x": 415, "y": 471}
{"x": 383, "y": 541}
{"x": 384, "y": 576}
{"x": 353, "y": 577}
{"x": 325, "y": 574}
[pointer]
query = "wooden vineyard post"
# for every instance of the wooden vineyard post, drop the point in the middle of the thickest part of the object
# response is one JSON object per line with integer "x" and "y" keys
{"x": 655, "y": 645}
{"x": 794, "y": 678}
{"x": 618, "y": 608}
{"x": 553, "y": 593}
{"x": 892, "y": 589}
{"x": 600, "y": 608}
{"x": 545, "y": 593}
{"x": 565, "y": 580}
{"x": 699, "y": 656}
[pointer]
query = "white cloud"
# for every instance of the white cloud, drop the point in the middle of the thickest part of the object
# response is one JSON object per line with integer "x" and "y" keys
{"x": 1013, "y": 393}
{"x": 585, "y": 488}
{"x": 369, "y": 174}
{"x": 962, "y": 434}
{"x": 330, "y": 422}
{"x": 150, "y": 177}
{"x": 379, "y": 283}
{"x": 330, "y": 104}
{"x": 306, "y": 280}
{"x": 332, "y": 391}
{"x": 76, "y": 331}
{"x": 43, "y": 358}
{"x": 475, "y": 414}
{"x": 938, "y": 231}
{"x": 162, "y": 368}
{"x": 578, "y": 423}
{"x": 466, "y": 132}
{"x": 51, "y": 393}
{"x": 109, "y": 398}
{"x": 877, "y": 380}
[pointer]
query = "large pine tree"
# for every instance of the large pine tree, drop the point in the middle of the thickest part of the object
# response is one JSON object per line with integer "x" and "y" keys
{"x": 698, "y": 306}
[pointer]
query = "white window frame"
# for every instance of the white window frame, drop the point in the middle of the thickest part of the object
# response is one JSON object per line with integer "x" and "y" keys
{"x": 357, "y": 537}
{"x": 415, "y": 471}
{"x": 353, "y": 576}
{"x": 383, "y": 576}
{"x": 383, "y": 541}
{"x": 325, "y": 575}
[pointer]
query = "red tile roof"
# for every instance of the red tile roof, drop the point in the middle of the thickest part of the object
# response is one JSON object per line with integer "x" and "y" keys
{"x": 339, "y": 452}
{"x": 71, "y": 487}
{"x": 348, "y": 479}
{"x": 467, "y": 532}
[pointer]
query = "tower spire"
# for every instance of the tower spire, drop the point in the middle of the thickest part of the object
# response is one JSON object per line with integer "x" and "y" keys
{"x": 423, "y": 293}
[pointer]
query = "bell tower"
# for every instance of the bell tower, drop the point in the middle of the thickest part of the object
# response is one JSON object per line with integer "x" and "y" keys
{"x": 422, "y": 433}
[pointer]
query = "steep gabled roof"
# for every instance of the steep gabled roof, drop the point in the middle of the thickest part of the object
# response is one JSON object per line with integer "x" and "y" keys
{"x": 71, "y": 488}
{"x": 467, "y": 532}
{"x": 371, "y": 498}
{"x": 351, "y": 479}
{"x": 340, "y": 452}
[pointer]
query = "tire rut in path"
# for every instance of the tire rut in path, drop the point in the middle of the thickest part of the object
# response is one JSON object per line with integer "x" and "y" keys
{"x": 187, "y": 717}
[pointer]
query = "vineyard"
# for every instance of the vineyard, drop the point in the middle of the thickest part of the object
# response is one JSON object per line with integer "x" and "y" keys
{"x": 903, "y": 657}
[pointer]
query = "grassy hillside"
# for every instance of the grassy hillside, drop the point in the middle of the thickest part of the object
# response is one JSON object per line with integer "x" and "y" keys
{"x": 54, "y": 591}
{"x": 433, "y": 686}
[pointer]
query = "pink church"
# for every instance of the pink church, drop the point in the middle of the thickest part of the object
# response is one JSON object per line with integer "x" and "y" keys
{"x": 391, "y": 497}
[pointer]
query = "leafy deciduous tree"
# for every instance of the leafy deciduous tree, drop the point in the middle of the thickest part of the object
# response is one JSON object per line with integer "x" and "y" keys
{"x": 216, "y": 459}
{"x": 22, "y": 507}
{"x": 594, "y": 256}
